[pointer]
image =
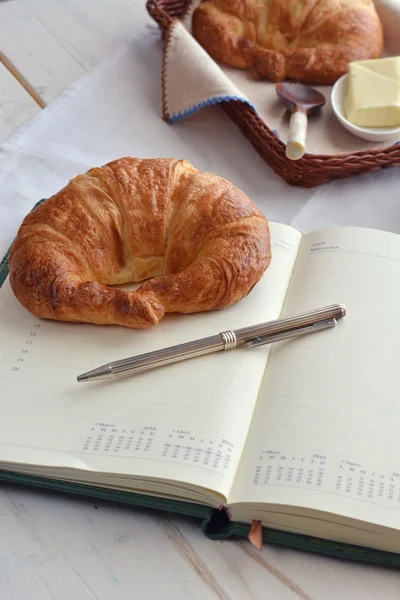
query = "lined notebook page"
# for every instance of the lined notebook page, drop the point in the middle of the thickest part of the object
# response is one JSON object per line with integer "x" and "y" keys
{"x": 326, "y": 429}
{"x": 186, "y": 421}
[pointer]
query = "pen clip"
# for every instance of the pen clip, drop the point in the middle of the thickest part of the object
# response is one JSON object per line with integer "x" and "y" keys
{"x": 277, "y": 337}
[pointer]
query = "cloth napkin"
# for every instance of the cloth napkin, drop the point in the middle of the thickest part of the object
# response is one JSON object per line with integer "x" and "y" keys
{"x": 193, "y": 80}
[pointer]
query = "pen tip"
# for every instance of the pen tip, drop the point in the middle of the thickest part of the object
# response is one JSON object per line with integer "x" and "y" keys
{"x": 103, "y": 372}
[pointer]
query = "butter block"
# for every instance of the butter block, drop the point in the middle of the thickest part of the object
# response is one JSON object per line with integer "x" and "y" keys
{"x": 373, "y": 93}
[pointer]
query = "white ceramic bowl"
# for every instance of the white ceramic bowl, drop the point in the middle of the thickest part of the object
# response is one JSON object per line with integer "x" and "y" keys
{"x": 372, "y": 134}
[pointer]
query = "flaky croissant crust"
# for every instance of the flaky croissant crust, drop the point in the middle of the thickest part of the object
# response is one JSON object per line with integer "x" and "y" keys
{"x": 311, "y": 41}
{"x": 199, "y": 242}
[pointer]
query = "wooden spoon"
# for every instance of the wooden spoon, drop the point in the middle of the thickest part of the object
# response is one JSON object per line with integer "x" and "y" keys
{"x": 301, "y": 100}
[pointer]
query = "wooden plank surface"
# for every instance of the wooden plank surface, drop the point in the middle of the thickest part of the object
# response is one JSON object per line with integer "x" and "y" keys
{"x": 59, "y": 547}
{"x": 16, "y": 105}
{"x": 54, "y": 42}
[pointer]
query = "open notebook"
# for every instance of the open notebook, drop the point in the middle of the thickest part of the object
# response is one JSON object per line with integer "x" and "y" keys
{"x": 302, "y": 435}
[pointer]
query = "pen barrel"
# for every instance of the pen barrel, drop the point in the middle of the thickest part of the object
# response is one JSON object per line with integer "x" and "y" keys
{"x": 222, "y": 341}
{"x": 168, "y": 356}
{"x": 333, "y": 311}
{"x": 225, "y": 340}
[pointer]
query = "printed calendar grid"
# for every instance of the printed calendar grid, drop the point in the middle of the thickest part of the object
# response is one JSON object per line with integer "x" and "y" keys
{"x": 152, "y": 443}
{"x": 329, "y": 474}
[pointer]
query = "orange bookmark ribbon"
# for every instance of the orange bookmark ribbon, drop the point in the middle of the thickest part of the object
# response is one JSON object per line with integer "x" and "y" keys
{"x": 255, "y": 535}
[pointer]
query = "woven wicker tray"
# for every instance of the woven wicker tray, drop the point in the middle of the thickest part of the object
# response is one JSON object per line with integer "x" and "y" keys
{"x": 311, "y": 170}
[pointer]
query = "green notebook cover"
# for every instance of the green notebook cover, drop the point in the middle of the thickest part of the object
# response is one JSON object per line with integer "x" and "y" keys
{"x": 214, "y": 523}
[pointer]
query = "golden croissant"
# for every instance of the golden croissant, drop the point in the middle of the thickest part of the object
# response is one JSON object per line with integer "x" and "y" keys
{"x": 311, "y": 41}
{"x": 199, "y": 241}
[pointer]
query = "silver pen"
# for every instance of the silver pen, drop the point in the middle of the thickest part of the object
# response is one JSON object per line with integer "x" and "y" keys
{"x": 255, "y": 335}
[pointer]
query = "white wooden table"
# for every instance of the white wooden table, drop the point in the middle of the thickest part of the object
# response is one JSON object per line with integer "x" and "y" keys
{"x": 53, "y": 546}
